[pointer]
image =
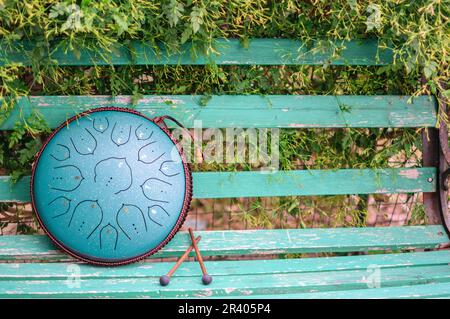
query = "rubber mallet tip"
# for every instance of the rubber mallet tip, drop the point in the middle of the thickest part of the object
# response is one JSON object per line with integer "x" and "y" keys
{"x": 164, "y": 280}
{"x": 206, "y": 279}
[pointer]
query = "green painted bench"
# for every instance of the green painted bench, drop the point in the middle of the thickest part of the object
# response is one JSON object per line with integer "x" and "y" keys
{"x": 404, "y": 262}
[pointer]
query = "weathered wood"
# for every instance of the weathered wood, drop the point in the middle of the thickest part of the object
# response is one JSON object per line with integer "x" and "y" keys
{"x": 306, "y": 282}
{"x": 429, "y": 290}
{"x": 231, "y": 52}
{"x": 313, "y": 182}
{"x": 245, "y": 111}
{"x": 283, "y": 183}
{"x": 47, "y": 271}
{"x": 231, "y": 285}
{"x": 260, "y": 242}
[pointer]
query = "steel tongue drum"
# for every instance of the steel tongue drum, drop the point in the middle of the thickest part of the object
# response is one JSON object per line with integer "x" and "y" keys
{"x": 111, "y": 186}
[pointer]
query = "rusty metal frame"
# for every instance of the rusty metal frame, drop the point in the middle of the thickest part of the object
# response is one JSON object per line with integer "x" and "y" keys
{"x": 430, "y": 156}
{"x": 436, "y": 153}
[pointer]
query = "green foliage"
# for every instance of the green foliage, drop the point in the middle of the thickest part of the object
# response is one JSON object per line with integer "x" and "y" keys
{"x": 173, "y": 11}
{"x": 22, "y": 145}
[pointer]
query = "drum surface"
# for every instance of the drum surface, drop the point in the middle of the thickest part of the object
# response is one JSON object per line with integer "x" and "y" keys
{"x": 111, "y": 186}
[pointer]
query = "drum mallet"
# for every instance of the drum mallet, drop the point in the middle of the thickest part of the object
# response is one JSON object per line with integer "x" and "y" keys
{"x": 206, "y": 279}
{"x": 165, "y": 279}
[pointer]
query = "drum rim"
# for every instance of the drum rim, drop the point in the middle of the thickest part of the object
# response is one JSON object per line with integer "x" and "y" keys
{"x": 184, "y": 210}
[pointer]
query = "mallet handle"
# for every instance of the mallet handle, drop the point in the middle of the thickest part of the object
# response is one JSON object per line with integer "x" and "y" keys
{"x": 183, "y": 257}
{"x": 197, "y": 252}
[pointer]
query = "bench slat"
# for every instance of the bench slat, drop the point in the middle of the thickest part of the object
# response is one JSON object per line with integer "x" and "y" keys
{"x": 431, "y": 290}
{"x": 47, "y": 271}
{"x": 232, "y": 285}
{"x": 246, "y": 111}
{"x": 297, "y": 282}
{"x": 258, "y": 52}
{"x": 213, "y": 243}
{"x": 284, "y": 183}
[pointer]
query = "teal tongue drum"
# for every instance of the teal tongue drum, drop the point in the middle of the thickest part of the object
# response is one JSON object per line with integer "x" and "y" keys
{"x": 111, "y": 186}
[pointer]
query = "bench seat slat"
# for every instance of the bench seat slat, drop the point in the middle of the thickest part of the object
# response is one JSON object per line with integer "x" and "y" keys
{"x": 39, "y": 247}
{"x": 54, "y": 271}
{"x": 283, "y": 183}
{"x": 246, "y": 111}
{"x": 231, "y": 285}
{"x": 430, "y": 290}
{"x": 232, "y": 52}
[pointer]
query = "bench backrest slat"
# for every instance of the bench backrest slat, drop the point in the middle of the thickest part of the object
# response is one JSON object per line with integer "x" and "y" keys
{"x": 285, "y": 183}
{"x": 232, "y": 52}
{"x": 244, "y": 111}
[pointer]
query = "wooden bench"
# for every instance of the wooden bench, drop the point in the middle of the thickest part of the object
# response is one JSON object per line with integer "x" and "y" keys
{"x": 409, "y": 262}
